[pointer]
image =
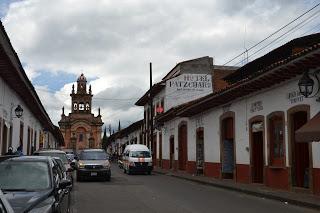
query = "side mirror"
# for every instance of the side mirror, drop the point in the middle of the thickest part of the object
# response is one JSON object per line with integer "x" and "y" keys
{"x": 65, "y": 184}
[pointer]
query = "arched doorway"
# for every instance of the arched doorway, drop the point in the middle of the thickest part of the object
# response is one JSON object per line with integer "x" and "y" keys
{"x": 183, "y": 145}
{"x": 257, "y": 149}
{"x": 300, "y": 153}
{"x": 227, "y": 145}
{"x": 171, "y": 151}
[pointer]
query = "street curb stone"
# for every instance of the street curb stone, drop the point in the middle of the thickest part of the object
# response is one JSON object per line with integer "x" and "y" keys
{"x": 246, "y": 191}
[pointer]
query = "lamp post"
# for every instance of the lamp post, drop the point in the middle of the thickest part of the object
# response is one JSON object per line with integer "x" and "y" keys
{"x": 306, "y": 85}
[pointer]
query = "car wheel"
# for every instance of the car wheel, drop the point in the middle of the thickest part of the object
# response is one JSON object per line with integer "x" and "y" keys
{"x": 108, "y": 178}
{"x": 129, "y": 172}
{"x": 149, "y": 172}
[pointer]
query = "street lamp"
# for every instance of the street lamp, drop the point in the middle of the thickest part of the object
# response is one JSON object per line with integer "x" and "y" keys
{"x": 306, "y": 84}
{"x": 18, "y": 111}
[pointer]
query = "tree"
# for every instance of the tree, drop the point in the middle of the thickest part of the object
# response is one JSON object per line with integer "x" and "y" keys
{"x": 119, "y": 126}
{"x": 105, "y": 139}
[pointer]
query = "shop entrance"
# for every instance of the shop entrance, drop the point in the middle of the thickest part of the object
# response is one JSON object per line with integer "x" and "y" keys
{"x": 228, "y": 158}
{"x": 171, "y": 152}
{"x": 200, "y": 151}
{"x": 300, "y": 172}
{"x": 183, "y": 143}
{"x": 257, "y": 163}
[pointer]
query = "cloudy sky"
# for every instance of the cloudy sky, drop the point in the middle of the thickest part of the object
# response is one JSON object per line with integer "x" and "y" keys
{"x": 112, "y": 42}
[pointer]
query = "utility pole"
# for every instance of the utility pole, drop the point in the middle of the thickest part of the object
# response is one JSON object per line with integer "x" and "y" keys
{"x": 151, "y": 108}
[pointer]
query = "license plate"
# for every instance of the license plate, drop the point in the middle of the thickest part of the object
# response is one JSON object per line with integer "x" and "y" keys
{"x": 94, "y": 174}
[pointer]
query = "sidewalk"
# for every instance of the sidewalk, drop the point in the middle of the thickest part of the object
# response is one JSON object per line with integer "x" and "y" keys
{"x": 299, "y": 199}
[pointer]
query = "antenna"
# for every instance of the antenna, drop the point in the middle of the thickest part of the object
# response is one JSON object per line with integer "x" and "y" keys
{"x": 245, "y": 53}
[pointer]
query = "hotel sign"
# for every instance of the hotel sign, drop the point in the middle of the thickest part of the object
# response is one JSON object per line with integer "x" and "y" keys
{"x": 187, "y": 87}
{"x": 295, "y": 97}
{"x": 190, "y": 82}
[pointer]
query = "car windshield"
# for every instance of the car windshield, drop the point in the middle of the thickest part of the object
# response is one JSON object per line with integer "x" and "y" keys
{"x": 62, "y": 156}
{"x": 140, "y": 154}
{"x": 98, "y": 155}
{"x": 22, "y": 176}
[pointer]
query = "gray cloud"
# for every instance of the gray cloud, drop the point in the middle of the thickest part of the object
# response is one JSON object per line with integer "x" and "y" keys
{"x": 114, "y": 41}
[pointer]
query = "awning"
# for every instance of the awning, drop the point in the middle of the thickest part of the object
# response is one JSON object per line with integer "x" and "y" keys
{"x": 310, "y": 131}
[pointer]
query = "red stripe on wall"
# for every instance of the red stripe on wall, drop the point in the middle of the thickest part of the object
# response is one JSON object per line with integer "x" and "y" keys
{"x": 277, "y": 178}
{"x": 212, "y": 169}
{"x": 191, "y": 167}
{"x": 316, "y": 181}
{"x": 243, "y": 173}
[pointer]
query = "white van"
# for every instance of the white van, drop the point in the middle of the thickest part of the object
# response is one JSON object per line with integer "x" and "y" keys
{"x": 137, "y": 158}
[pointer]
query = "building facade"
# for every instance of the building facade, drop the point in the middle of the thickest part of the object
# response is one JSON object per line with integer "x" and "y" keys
{"x": 81, "y": 129}
{"x": 247, "y": 132}
{"x": 24, "y": 122}
{"x": 250, "y": 127}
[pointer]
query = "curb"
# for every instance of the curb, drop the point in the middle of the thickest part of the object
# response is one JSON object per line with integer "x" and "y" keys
{"x": 246, "y": 191}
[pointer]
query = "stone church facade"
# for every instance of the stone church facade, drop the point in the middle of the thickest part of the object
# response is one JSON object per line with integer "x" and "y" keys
{"x": 81, "y": 129}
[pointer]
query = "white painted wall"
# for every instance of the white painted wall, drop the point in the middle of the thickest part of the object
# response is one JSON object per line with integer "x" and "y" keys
{"x": 273, "y": 99}
{"x": 8, "y": 102}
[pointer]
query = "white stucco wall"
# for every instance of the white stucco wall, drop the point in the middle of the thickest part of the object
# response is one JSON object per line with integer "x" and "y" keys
{"x": 8, "y": 102}
{"x": 273, "y": 99}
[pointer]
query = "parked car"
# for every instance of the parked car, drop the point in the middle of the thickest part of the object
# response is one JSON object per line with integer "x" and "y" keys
{"x": 62, "y": 155}
{"x": 5, "y": 157}
{"x": 5, "y": 206}
{"x": 137, "y": 158}
{"x": 34, "y": 184}
{"x": 93, "y": 163}
{"x": 63, "y": 169}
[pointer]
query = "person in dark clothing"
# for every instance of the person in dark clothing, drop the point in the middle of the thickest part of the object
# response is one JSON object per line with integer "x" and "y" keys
{"x": 10, "y": 151}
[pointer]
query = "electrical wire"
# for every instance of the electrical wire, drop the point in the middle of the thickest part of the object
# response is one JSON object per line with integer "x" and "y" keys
{"x": 294, "y": 29}
{"x": 272, "y": 34}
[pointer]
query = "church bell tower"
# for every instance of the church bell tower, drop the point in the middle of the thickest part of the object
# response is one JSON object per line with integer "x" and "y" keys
{"x": 81, "y": 100}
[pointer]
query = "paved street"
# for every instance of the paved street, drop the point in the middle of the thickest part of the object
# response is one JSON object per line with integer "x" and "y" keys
{"x": 160, "y": 193}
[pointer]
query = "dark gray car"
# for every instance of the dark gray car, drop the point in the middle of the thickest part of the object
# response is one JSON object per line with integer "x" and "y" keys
{"x": 34, "y": 184}
{"x": 93, "y": 163}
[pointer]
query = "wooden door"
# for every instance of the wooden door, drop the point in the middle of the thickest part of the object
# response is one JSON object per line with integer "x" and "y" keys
{"x": 257, "y": 157}
{"x": 300, "y": 155}
{"x": 183, "y": 143}
{"x": 171, "y": 152}
{"x": 154, "y": 150}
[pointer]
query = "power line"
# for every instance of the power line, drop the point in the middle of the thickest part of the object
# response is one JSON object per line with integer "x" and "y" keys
{"x": 272, "y": 34}
{"x": 295, "y": 28}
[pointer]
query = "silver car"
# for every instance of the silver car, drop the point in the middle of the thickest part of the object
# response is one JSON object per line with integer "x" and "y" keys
{"x": 4, "y": 204}
{"x": 93, "y": 163}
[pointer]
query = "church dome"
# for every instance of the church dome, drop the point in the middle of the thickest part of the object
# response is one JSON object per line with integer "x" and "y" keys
{"x": 82, "y": 78}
